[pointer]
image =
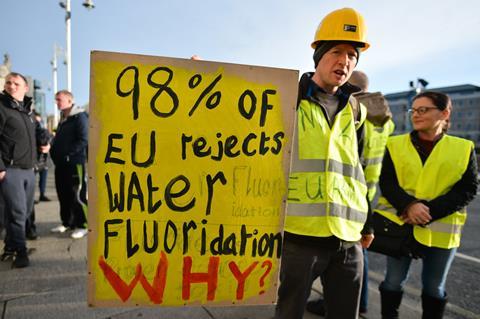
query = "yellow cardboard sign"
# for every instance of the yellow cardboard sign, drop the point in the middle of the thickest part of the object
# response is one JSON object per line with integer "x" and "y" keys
{"x": 188, "y": 163}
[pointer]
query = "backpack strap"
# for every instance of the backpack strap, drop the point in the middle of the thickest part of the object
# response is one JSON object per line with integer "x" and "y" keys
{"x": 359, "y": 111}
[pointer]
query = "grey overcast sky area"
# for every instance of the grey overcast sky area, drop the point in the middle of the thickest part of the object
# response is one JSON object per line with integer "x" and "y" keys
{"x": 434, "y": 40}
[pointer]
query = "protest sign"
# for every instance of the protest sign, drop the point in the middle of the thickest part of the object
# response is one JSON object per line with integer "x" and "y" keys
{"x": 188, "y": 164}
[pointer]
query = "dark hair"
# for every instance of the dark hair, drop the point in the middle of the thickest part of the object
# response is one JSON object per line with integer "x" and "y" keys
{"x": 441, "y": 101}
{"x": 324, "y": 46}
{"x": 15, "y": 74}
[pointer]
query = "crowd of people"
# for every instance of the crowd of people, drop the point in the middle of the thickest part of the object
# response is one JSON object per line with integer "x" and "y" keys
{"x": 340, "y": 154}
{"x": 24, "y": 147}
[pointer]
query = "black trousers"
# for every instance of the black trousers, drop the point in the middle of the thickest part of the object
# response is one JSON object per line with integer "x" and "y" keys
{"x": 71, "y": 186}
{"x": 341, "y": 271}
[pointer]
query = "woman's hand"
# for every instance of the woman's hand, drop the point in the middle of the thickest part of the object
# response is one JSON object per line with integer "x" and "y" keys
{"x": 417, "y": 214}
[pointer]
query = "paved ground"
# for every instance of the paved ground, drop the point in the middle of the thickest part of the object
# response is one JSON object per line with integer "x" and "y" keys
{"x": 54, "y": 286}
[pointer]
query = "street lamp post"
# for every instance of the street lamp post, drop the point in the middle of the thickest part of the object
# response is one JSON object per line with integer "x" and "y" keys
{"x": 68, "y": 57}
{"x": 68, "y": 52}
{"x": 54, "y": 71}
{"x": 57, "y": 50}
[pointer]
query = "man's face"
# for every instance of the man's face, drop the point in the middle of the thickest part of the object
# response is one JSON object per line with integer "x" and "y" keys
{"x": 63, "y": 101}
{"x": 16, "y": 87}
{"x": 335, "y": 67}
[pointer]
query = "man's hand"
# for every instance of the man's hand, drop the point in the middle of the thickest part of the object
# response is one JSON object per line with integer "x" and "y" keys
{"x": 366, "y": 240}
{"x": 2, "y": 175}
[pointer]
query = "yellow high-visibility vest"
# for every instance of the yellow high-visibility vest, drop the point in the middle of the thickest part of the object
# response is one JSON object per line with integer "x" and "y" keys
{"x": 443, "y": 168}
{"x": 327, "y": 192}
{"x": 374, "y": 147}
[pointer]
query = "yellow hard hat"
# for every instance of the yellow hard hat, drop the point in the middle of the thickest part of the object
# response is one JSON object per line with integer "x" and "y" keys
{"x": 342, "y": 25}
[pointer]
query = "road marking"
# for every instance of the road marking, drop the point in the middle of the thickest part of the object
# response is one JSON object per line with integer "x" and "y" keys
{"x": 466, "y": 257}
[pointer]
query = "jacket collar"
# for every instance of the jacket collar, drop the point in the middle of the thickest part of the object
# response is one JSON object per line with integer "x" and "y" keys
{"x": 74, "y": 110}
{"x": 10, "y": 102}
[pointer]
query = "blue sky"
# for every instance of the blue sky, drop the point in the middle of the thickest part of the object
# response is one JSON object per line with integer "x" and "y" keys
{"x": 435, "y": 40}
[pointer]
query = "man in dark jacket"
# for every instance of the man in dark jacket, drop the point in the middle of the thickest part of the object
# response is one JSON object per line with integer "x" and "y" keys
{"x": 69, "y": 154}
{"x": 17, "y": 158}
{"x": 42, "y": 137}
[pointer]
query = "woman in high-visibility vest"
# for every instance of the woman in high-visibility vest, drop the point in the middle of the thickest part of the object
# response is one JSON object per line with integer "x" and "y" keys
{"x": 427, "y": 180}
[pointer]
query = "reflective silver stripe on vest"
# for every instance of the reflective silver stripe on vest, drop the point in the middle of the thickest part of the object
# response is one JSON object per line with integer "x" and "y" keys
{"x": 437, "y": 227}
{"x": 347, "y": 170}
{"x": 386, "y": 208}
{"x": 373, "y": 161}
{"x": 319, "y": 209}
{"x": 313, "y": 209}
{"x": 317, "y": 165}
{"x": 310, "y": 165}
{"x": 445, "y": 228}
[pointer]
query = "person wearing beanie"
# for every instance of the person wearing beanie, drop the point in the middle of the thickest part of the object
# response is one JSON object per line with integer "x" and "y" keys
{"x": 327, "y": 220}
{"x": 324, "y": 46}
{"x": 378, "y": 127}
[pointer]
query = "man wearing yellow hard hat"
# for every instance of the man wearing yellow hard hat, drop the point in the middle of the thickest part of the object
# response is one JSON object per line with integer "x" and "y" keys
{"x": 327, "y": 209}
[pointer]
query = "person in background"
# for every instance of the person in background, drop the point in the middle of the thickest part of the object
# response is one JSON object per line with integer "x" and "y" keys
{"x": 69, "y": 154}
{"x": 43, "y": 138}
{"x": 327, "y": 208}
{"x": 17, "y": 158}
{"x": 2, "y": 215}
{"x": 378, "y": 126}
{"x": 428, "y": 178}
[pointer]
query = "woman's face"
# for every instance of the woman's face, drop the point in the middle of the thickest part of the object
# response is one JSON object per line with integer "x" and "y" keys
{"x": 426, "y": 117}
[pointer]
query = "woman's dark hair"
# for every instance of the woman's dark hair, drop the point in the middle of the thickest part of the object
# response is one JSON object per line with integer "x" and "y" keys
{"x": 441, "y": 100}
